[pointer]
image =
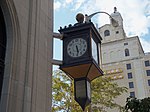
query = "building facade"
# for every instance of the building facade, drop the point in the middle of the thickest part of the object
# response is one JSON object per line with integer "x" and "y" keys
{"x": 124, "y": 60}
{"x": 26, "y": 28}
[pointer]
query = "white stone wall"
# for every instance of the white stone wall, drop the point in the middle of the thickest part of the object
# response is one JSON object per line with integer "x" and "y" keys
{"x": 113, "y": 33}
{"x": 27, "y": 77}
{"x": 115, "y": 50}
{"x": 113, "y": 57}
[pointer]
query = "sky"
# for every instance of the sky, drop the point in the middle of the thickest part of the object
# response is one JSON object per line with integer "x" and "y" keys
{"x": 135, "y": 14}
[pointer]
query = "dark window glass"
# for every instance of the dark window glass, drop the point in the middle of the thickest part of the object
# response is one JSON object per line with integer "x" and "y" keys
{"x": 149, "y": 82}
{"x": 128, "y": 66}
{"x": 117, "y": 32}
{"x": 3, "y": 41}
{"x": 131, "y": 85}
{"x": 125, "y": 43}
{"x": 147, "y": 63}
{"x": 127, "y": 52}
{"x": 132, "y": 94}
{"x": 129, "y": 75}
{"x": 106, "y": 33}
{"x": 148, "y": 72}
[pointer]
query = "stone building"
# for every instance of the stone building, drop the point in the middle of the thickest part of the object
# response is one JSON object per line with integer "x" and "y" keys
{"x": 26, "y": 28}
{"x": 124, "y": 60}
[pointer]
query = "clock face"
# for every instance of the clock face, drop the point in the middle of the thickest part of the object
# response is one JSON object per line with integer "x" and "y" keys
{"x": 77, "y": 47}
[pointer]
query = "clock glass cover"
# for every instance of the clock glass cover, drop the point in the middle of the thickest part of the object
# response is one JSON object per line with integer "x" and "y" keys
{"x": 94, "y": 50}
{"x": 77, "y": 47}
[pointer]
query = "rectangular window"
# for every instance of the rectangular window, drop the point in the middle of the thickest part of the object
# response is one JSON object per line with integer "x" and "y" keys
{"x": 130, "y": 75}
{"x": 148, "y": 72}
{"x": 132, "y": 94}
{"x": 131, "y": 85}
{"x": 148, "y": 82}
{"x": 147, "y": 63}
{"x": 128, "y": 66}
{"x": 125, "y": 43}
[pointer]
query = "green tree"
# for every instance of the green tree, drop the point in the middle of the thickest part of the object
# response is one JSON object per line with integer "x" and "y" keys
{"x": 62, "y": 91}
{"x": 137, "y": 105}
{"x": 103, "y": 93}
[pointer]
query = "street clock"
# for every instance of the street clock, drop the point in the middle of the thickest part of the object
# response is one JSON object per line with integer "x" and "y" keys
{"x": 81, "y": 62}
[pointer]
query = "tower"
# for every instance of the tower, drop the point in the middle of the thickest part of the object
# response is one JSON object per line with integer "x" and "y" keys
{"x": 117, "y": 16}
{"x": 26, "y": 29}
{"x": 110, "y": 33}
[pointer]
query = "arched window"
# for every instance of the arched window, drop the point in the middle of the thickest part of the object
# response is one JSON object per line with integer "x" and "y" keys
{"x": 127, "y": 52}
{"x": 106, "y": 33}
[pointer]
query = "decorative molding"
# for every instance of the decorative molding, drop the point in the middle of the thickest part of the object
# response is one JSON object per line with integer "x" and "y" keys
{"x": 114, "y": 74}
{"x": 113, "y": 71}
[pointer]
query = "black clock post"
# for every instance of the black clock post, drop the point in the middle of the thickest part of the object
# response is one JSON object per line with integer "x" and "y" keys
{"x": 81, "y": 57}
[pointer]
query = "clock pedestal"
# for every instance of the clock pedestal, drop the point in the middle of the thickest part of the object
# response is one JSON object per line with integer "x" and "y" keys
{"x": 81, "y": 52}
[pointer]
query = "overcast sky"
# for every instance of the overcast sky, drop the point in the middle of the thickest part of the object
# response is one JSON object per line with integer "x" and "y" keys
{"x": 135, "y": 13}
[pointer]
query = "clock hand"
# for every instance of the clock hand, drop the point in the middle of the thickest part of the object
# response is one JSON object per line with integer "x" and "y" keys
{"x": 77, "y": 48}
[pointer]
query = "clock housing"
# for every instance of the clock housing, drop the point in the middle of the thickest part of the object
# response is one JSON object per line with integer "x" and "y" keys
{"x": 81, "y": 51}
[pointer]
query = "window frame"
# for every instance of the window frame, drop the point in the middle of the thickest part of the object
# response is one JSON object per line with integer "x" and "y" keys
{"x": 130, "y": 76}
{"x": 148, "y": 82}
{"x": 132, "y": 94}
{"x": 128, "y": 66}
{"x": 148, "y": 72}
{"x": 106, "y": 33}
{"x": 131, "y": 85}
{"x": 126, "y": 51}
{"x": 147, "y": 63}
{"x": 126, "y": 43}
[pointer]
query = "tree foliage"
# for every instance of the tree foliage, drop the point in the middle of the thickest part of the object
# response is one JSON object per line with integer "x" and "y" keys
{"x": 62, "y": 91}
{"x": 103, "y": 93}
{"x": 137, "y": 105}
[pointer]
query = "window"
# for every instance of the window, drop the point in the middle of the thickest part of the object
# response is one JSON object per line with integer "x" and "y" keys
{"x": 127, "y": 52}
{"x": 130, "y": 75}
{"x": 117, "y": 32}
{"x": 148, "y": 82}
{"x": 125, "y": 43}
{"x": 148, "y": 72}
{"x": 106, "y": 33}
{"x": 132, "y": 94}
{"x": 147, "y": 63}
{"x": 131, "y": 85}
{"x": 128, "y": 66}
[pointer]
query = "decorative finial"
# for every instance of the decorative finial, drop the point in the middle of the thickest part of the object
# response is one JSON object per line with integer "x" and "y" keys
{"x": 87, "y": 18}
{"x": 80, "y": 17}
{"x": 115, "y": 9}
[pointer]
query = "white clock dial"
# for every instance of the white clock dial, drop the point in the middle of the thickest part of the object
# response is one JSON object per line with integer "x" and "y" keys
{"x": 77, "y": 47}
